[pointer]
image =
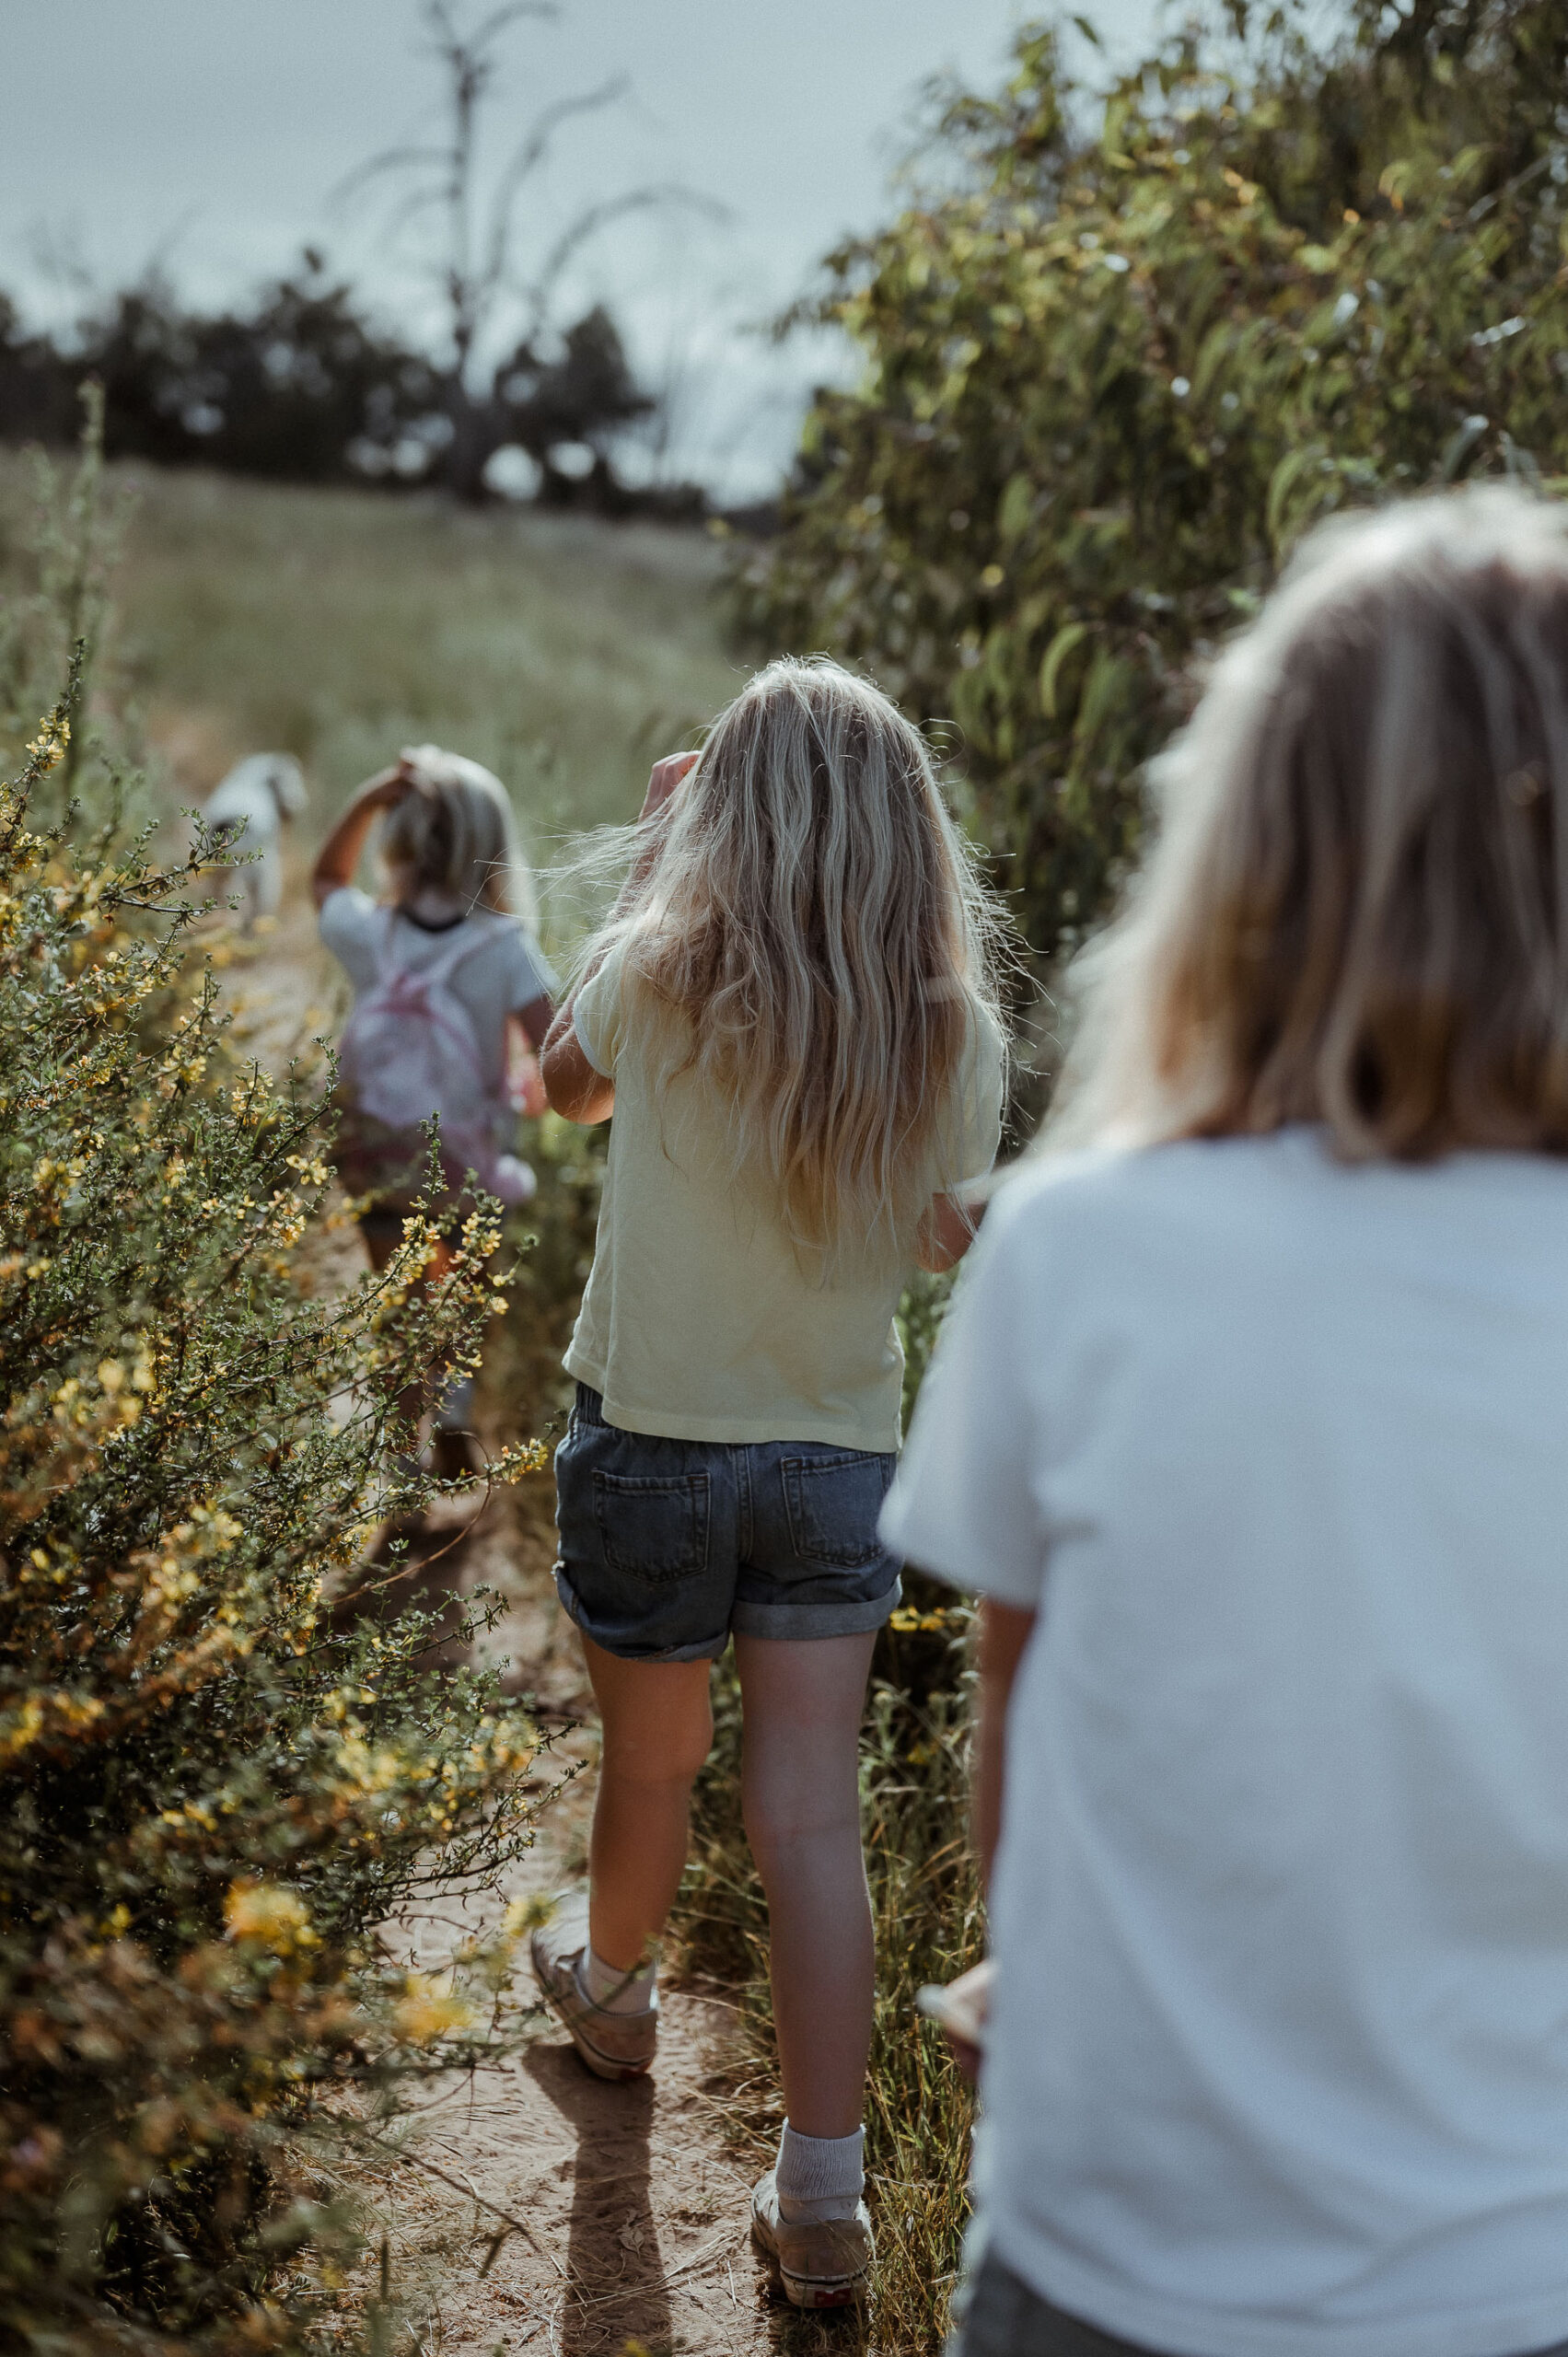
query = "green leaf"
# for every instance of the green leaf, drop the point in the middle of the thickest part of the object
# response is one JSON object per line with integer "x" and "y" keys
{"x": 1071, "y": 635}
{"x": 1014, "y": 511}
{"x": 1282, "y": 482}
{"x": 1461, "y": 447}
{"x": 1212, "y": 351}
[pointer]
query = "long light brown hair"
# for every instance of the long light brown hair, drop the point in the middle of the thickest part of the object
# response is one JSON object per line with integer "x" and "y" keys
{"x": 1356, "y": 914}
{"x": 454, "y": 834}
{"x": 809, "y": 926}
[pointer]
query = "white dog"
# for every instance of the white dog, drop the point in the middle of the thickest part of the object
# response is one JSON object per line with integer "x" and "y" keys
{"x": 245, "y": 814}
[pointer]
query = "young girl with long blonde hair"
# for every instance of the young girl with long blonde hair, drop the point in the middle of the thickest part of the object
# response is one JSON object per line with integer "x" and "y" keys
{"x": 792, "y": 1015}
{"x": 452, "y": 996}
{"x": 1248, "y": 1424}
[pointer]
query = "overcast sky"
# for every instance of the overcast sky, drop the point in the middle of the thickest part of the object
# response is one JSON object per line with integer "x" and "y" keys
{"x": 212, "y": 134}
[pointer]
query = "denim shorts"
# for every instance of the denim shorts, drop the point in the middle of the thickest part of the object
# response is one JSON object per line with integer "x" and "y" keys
{"x": 666, "y": 1546}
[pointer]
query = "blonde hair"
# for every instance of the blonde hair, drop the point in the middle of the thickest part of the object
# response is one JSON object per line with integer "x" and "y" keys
{"x": 810, "y": 917}
{"x": 454, "y": 834}
{"x": 1357, "y": 911}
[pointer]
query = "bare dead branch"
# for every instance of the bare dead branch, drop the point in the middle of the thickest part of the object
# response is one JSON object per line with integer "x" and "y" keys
{"x": 390, "y": 159}
{"x": 544, "y": 9}
{"x": 596, "y": 217}
{"x": 528, "y": 155}
{"x": 417, "y": 201}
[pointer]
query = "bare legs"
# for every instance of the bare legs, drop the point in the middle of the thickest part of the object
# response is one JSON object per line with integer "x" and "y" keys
{"x": 800, "y": 1795}
{"x": 800, "y": 1792}
{"x": 657, "y": 1731}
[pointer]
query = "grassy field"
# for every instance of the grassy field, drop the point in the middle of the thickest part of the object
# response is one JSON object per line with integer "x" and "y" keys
{"x": 339, "y": 625}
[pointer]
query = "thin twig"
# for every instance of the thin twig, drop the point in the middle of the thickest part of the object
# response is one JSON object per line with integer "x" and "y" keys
{"x": 396, "y": 2153}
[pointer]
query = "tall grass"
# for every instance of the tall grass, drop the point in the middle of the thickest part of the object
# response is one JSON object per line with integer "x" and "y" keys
{"x": 927, "y": 1908}
{"x": 338, "y": 625}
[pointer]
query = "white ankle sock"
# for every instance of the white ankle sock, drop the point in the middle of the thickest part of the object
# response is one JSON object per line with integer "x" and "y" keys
{"x": 612, "y": 1989}
{"x": 818, "y": 2177}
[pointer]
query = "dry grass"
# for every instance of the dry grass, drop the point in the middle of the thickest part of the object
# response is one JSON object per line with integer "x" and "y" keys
{"x": 925, "y": 1902}
{"x": 338, "y": 625}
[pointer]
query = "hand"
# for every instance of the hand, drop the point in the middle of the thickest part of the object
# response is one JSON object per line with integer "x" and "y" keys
{"x": 666, "y": 776}
{"x": 386, "y": 788}
{"x": 968, "y": 2004}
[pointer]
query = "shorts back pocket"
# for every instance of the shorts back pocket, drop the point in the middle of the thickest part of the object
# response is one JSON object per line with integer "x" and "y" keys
{"x": 654, "y": 1527}
{"x": 832, "y": 1504}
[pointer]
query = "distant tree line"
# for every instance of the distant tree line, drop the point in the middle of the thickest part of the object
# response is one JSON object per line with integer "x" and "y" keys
{"x": 302, "y": 385}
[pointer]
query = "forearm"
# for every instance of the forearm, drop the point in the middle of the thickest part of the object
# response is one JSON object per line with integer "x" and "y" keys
{"x": 338, "y": 860}
{"x": 339, "y": 854}
{"x": 575, "y": 1088}
{"x": 1005, "y": 1631}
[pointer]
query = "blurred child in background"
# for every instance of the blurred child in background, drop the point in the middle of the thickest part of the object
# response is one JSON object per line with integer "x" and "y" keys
{"x": 1249, "y": 1424}
{"x": 452, "y": 996}
{"x": 792, "y": 1014}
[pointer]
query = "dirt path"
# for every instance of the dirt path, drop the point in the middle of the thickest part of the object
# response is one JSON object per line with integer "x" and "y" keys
{"x": 624, "y": 2217}
{"x": 630, "y": 2215}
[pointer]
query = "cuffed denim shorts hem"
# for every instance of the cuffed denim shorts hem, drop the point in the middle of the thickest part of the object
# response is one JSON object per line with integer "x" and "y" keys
{"x": 666, "y": 1547}
{"x": 699, "y": 1649}
{"x": 751, "y": 1619}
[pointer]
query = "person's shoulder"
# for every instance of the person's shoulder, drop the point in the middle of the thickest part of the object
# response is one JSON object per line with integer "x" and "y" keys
{"x": 509, "y": 949}
{"x": 1116, "y": 1197}
{"x": 347, "y": 915}
{"x": 1082, "y": 1189}
{"x": 985, "y": 1045}
{"x": 501, "y": 935}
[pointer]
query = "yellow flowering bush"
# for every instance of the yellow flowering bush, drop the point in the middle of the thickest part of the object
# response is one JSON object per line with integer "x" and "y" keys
{"x": 210, "y": 1794}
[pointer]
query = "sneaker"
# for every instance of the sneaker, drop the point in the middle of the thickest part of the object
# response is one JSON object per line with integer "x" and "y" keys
{"x": 614, "y": 2045}
{"x": 821, "y": 2263}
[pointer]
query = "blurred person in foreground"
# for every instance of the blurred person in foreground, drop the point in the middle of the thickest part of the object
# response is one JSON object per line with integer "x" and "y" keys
{"x": 452, "y": 997}
{"x": 1250, "y": 1426}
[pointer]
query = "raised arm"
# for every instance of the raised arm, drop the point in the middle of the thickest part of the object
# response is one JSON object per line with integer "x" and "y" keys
{"x": 575, "y": 1090}
{"x": 340, "y": 855}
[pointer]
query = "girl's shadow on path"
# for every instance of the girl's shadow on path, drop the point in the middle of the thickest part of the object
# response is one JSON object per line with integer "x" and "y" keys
{"x": 616, "y": 2288}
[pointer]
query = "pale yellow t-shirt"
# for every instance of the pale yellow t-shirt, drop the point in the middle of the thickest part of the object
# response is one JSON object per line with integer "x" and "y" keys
{"x": 698, "y": 1321}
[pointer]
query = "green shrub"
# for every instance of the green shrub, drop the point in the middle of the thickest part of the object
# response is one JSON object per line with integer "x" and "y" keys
{"x": 1111, "y": 373}
{"x": 210, "y": 1794}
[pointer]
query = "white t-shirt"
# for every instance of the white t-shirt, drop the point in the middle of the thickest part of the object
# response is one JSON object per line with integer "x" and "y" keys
{"x": 1279, "y": 1448}
{"x": 698, "y": 1321}
{"x": 508, "y": 973}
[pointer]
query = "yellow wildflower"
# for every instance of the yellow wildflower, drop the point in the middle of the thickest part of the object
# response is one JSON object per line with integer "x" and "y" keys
{"x": 274, "y": 1919}
{"x": 425, "y": 2012}
{"x": 527, "y": 1914}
